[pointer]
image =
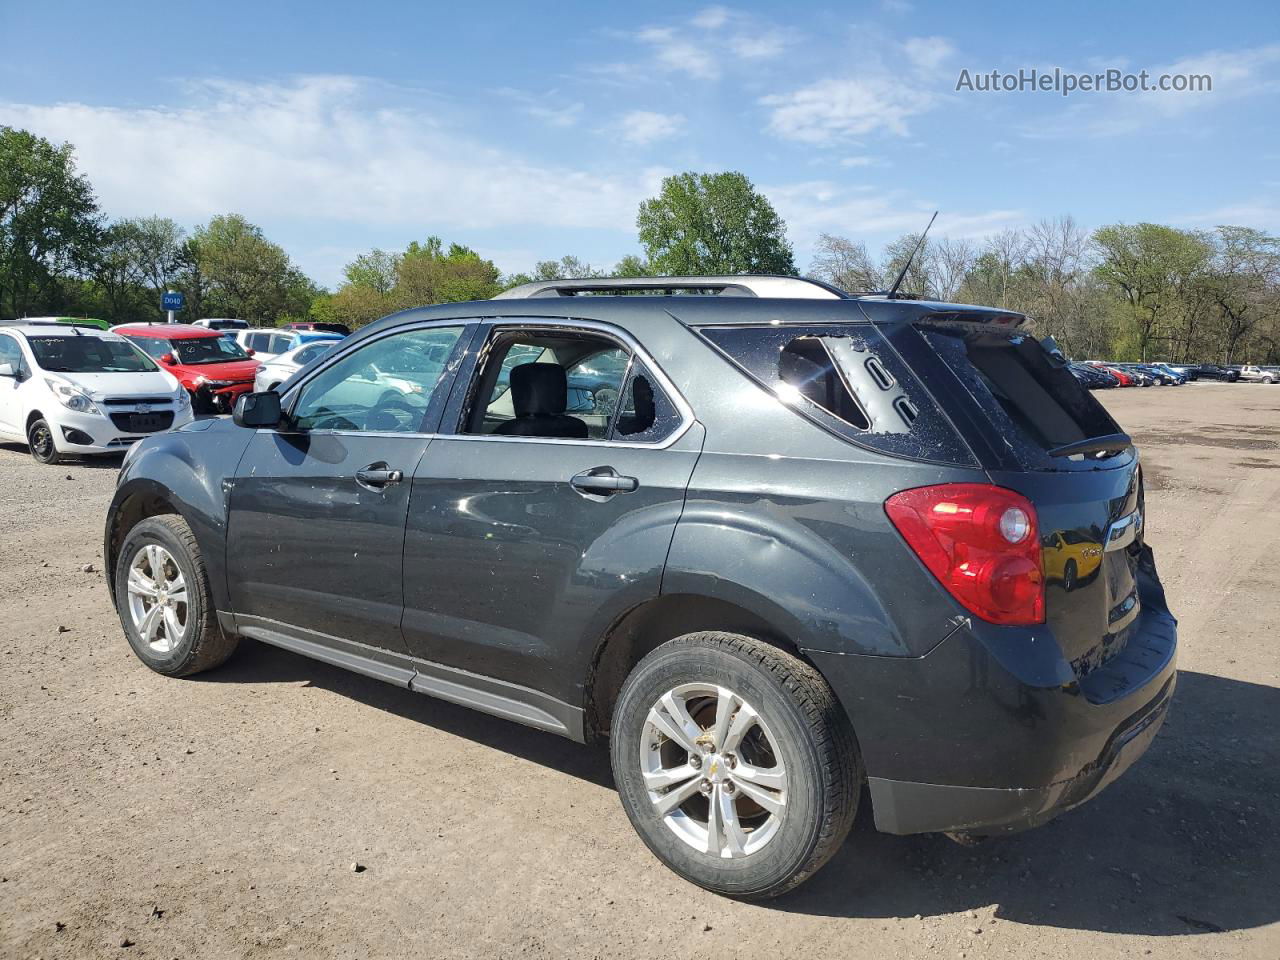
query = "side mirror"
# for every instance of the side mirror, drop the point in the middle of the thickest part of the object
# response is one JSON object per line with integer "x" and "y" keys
{"x": 168, "y": 358}
{"x": 256, "y": 410}
{"x": 250, "y": 352}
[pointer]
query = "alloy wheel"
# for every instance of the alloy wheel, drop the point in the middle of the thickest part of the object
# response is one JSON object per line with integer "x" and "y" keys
{"x": 712, "y": 770}
{"x": 158, "y": 598}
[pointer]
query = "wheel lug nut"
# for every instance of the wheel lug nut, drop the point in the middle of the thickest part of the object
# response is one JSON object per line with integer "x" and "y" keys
{"x": 695, "y": 761}
{"x": 729, "y": 787}
{"x": 705, "y": 786}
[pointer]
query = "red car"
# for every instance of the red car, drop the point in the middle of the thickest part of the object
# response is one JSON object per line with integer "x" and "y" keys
{"x": 1125, "y": 379}
{"x": 213, "y": 367}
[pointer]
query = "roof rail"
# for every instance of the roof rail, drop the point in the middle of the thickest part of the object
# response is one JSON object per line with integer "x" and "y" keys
{"x": 770, "y": 287}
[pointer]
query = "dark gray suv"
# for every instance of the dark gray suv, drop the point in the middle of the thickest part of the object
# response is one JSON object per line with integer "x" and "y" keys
{"x": 785, "y": 549}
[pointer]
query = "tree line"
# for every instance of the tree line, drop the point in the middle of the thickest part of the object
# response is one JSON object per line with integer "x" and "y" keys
{"x": 1125, "y": 291}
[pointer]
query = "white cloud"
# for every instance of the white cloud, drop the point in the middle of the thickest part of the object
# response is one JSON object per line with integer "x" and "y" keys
{"x": 927, "y": 53}
{"x": 644, "y": 126}
{"x": 321, "y": 149}
{"x": 765, "y": 45}
{"x": 836, "y": 109}
{"x": 543, "y": 107}
{"x": 821, "y": 206}
{"x": 872, "y": 100}
{"x": 677, "y": 54}
{"x": 712, "y": 18}
{"x": 1236, "y": 74}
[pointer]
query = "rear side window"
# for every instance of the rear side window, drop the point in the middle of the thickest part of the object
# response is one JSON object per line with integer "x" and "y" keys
{"x": 1026, "y": 396}
{"x": 849, "y": 380}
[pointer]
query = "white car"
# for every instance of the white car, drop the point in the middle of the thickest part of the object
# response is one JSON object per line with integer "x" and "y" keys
{"x": 69, "y": 390}
{"x": 222, "y": 323}
{"x": 268, "y": 343}
{"x": 1255, "y": 374}
{"x": 279, "y": 369}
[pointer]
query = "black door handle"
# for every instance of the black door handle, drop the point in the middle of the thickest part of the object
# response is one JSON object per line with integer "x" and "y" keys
{"x": 603, "y": 480}
{"x": 378, "y": 475}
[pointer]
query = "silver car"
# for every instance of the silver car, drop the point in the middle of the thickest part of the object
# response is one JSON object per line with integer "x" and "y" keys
{"x": 279, "y": 369}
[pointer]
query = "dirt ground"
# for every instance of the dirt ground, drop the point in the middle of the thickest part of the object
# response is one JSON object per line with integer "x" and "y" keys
{"x": 220, "y": 816}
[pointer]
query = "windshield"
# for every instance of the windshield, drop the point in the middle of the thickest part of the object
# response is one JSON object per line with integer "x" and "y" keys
{"x": 78, "y": 354}
{"x": 194, "y": 350}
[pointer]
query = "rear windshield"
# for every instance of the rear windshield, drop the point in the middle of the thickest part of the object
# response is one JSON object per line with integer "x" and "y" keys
{"x": 1026, "y": 394}
{"x": 81, "y": 354}
{"x": 848, "y": 379}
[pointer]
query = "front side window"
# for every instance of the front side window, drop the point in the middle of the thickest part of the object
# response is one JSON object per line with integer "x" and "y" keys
{"x": 10, "y": 352}
{"x": 88, "y": 355}
{"x": 383, "y": 386}
{"x": 197, "y": 350}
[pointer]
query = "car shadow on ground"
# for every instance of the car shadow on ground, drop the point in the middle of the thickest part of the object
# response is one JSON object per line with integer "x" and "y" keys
{"x": 1184, "y": 843}
{"x": 98, "y": 461}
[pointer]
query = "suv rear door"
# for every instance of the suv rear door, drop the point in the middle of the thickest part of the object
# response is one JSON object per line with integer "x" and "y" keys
{"x": 514, "y": 551}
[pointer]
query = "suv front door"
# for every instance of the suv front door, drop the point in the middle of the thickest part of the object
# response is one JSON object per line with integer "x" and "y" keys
{"x": 516, "y": 560}
{"x": 317, "y": 510}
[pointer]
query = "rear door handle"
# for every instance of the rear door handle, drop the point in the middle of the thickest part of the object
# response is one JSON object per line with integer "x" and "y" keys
{"x": 603, "y": 480}
{"x": 378, "y": 475}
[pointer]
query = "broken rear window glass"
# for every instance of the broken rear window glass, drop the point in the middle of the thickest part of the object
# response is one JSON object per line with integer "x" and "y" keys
{"x": 847, "y": 379}
{"x": 1022, "y": 391}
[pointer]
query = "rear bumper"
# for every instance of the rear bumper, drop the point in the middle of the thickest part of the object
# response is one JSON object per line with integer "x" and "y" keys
{"x": 993, "y": 731}
{"x": 906, "y": 807}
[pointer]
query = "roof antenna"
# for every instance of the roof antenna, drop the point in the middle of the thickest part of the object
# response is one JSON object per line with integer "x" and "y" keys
{"x": 902, "y": 274}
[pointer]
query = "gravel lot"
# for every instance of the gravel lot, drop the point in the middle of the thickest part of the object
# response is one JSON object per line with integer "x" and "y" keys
{"x": 221, "y": 816}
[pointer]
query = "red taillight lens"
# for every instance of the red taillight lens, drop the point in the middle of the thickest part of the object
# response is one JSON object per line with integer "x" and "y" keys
{"x": 982, "y": 544}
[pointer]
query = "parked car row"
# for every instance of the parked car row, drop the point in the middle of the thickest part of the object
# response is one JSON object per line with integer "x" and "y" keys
{"x": 1100, "y": 374}
{"x": 72, "y": 386}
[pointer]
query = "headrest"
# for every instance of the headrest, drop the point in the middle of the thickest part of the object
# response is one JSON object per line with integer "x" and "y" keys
{"x": 539, "y": 389}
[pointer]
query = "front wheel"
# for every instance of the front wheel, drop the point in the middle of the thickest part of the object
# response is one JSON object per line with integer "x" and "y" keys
{"x": 735, "y": 763}
{"x": 163, "y": 599}
{"x": 40, "y": 442}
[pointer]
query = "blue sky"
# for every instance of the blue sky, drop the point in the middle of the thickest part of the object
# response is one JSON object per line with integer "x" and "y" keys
{"x": 534, "y": 130}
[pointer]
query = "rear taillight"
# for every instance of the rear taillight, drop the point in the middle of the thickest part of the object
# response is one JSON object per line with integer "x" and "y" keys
{"x": 982, "y": 544}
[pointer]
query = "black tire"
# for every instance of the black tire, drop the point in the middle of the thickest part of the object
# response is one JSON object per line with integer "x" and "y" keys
{"x": 1069, "y": 575}
{"x": 812, "y": 739}
{"x": 203, "y": 645}
{"x": 40, "y": 442}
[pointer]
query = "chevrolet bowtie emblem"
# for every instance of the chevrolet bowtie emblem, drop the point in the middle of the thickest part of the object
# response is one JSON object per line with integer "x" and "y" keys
{"x": 142, "y": 408}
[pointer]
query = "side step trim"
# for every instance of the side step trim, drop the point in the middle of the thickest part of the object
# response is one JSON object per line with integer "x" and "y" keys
{"x": 497, "y": 697}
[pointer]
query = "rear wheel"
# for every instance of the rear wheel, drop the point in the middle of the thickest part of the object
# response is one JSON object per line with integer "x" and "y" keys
{"x": 40, "y": 442}
{"x": 735, "y": 763}
{"x": 162, "y": 597}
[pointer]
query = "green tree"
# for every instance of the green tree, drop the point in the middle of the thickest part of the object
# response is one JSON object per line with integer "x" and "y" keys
{"x": 427, "y": 273}
{"x": 238, "y": 272}
{"x": 375, "y": 270}
{"x": 633, "y": 266}
{"x": 713, "y": 223}
{"x": 49, "y": 224}
{"x": 1153, "y": 269}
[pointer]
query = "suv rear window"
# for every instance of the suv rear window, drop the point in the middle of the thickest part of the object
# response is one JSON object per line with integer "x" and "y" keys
{"x": 848, "y": 379}
{"x": 1023, "y": 392}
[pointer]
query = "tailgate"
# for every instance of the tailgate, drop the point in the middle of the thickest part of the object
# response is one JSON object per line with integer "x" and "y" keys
{"x": 1039, "y": 432}
{"x": 1090, "y": 527}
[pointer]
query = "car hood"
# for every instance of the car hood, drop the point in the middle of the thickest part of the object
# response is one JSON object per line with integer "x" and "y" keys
{"x": 229, "y": 370}
{"x": 99, "y": 386}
